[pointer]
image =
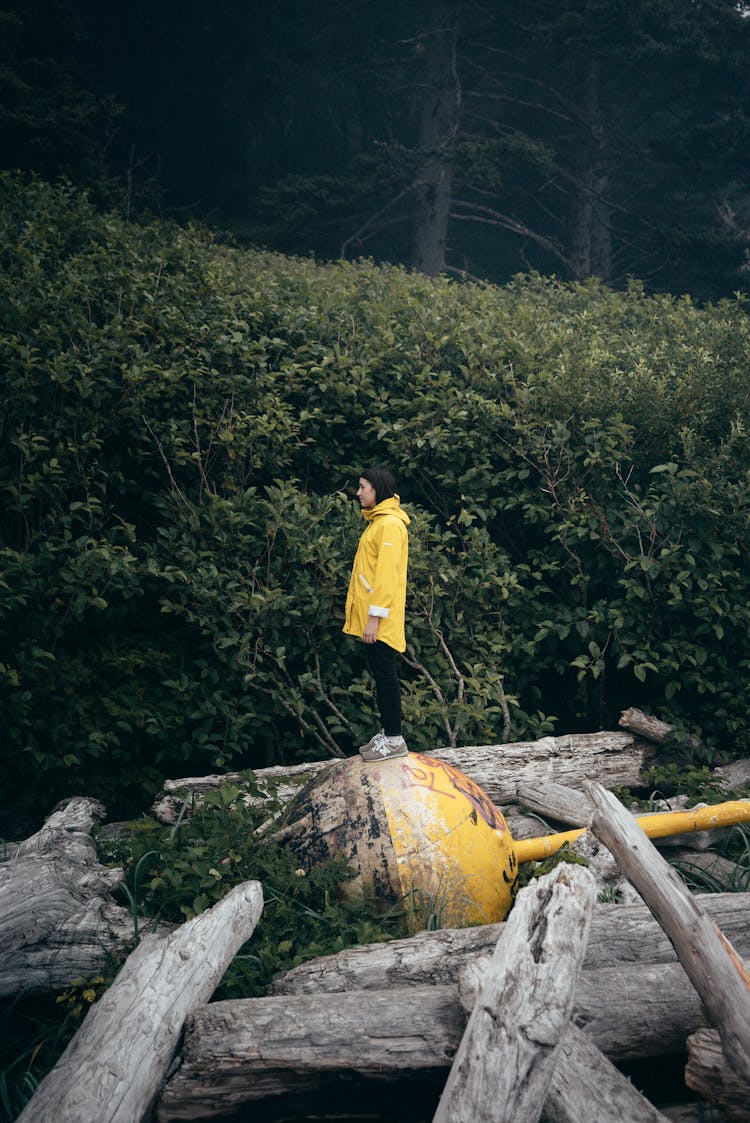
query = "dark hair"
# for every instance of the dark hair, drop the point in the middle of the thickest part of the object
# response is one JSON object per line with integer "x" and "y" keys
{"x": 382, "y": 480}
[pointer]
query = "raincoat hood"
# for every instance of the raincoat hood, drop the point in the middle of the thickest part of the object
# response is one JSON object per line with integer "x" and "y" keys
{"x": 390, "y": 506}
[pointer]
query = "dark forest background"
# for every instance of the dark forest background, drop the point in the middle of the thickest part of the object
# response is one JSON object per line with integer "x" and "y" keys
{"x": 193, "y": 372}
{"x": 603, "y": 138}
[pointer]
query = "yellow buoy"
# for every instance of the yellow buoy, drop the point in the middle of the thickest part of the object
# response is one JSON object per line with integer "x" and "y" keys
{"x": 415, "y": 830}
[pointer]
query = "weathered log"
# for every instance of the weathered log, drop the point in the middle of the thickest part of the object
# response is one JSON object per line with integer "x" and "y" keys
{"x": 246, "y": 1050}
{"x": 58, "y": 922}
{"x": 116, "y": 1063}
{"x": 710, "y": 961}
{"x": 587, "y": 1088}
{"x": 555, "y": 801}
{"x": 708, "y": 1073}
{"x": 620, "y": 935}
{"x": 616, "y": 759}
{"x": 284, "y": 782}
{"x": 736, "y": 774}
{"x": 652, "y": 729}
{"x": 509, "y": 1049}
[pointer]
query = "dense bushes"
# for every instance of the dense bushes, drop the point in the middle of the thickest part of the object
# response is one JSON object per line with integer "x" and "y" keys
{"x": 181, "y": 423}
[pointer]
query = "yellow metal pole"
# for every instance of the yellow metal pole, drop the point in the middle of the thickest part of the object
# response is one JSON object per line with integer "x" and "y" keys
{"x": 659, "y": 825}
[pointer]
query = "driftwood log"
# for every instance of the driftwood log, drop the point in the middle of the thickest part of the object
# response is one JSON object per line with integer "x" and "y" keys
{"x": 555, "y": 801}
{"x": 509, "y": 1049}
{"x": 246, "y": 1050}
{"x": 616, "y": 759}
{"x": 116, "y": 1063}
{"x": 709, "y": 959}
{"x": 587, "y": 1088}
{"x": 652, "y": 728}
{"x": 708, "y": 1073}
{"x": 620, "y": 936}
{"x": 58, "y": 922}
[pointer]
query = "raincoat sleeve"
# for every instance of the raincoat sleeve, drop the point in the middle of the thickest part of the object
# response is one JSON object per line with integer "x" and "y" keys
{"x": 389, "y": 585}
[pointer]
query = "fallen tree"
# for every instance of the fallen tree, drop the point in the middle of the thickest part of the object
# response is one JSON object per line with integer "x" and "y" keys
{"x": 587, "y": 1088}
{"x": 710, "y": 960}
{"x": 708, "y": 1073}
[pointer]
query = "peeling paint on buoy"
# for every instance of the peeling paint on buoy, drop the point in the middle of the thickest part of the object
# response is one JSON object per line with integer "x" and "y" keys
{"x": 415, "y": 830}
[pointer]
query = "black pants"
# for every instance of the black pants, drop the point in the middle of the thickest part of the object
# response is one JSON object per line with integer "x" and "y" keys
{"x": 382, "y": 660}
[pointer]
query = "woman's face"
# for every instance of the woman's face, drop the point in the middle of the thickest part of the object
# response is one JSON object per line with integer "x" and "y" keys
{"x": 366, "y": 493}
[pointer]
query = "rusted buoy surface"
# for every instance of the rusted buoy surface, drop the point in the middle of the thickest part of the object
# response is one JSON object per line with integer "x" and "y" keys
{"x": 415, "y": 830}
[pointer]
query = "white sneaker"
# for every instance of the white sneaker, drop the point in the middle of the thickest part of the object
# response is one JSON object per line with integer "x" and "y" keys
{"x": 381, "y": 747}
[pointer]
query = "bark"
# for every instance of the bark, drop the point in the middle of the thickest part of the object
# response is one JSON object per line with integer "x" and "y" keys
{"x": 116, "y": 1063}
{"x": 58, "y": 922}
{"x": 709, "y": 959}
{"x": 245, "y": 1051}
{"x": 509, "y": 1050}
{"x": 708, "y": 1073}
{"x": 441, "y": 101}
{"x": 620, "y": 936}
{"x": 587, "y": 1088}
{"x": 615, "y": 759}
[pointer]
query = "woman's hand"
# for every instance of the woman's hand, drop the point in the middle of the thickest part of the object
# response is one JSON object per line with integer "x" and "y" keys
{"x": 370, "y": 633}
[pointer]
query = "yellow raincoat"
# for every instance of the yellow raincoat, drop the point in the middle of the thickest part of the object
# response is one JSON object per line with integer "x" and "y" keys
{"x": 378, "y": 582}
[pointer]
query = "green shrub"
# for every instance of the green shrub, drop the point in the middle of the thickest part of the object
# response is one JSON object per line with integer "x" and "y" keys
{"x": 182, "y": 424}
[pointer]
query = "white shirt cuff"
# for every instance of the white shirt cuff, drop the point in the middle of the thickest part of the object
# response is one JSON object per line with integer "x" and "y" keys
{"x": 376, "y": 610}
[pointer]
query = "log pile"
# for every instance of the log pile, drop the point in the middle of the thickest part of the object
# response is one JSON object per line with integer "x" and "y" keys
{"x": 530, "y": 1019}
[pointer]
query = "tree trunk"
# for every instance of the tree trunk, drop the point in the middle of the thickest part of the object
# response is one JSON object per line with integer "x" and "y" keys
{"x": 116, "y": 1063}
{"x": 590, "y": 238}
{"x": 441, "y": 100}
{"x": 620, "y": 936}
{"x": 509, "y": 1050}
{"x": 247, "y": 1050}
{"x": 57, "y": 919}
{"x": 708, "y": 1073}
{"x": 709, "y": 959}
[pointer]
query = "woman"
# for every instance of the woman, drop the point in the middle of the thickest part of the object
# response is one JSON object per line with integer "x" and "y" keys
{"x": 376, "y": 602}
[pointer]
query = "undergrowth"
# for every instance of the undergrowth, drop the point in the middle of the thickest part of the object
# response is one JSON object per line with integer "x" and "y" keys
{"x": 175, "y": 873}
